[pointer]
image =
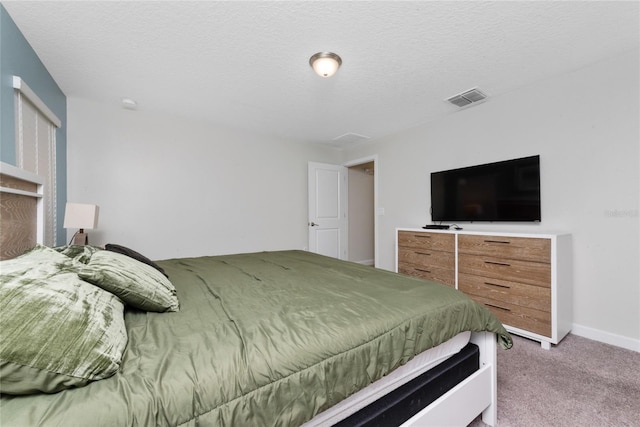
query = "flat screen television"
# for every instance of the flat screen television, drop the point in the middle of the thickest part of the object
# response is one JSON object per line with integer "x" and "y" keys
{"x": 501, "y": 191}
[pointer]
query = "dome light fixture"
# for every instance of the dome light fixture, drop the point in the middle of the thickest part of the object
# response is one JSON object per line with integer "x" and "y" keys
{"x": 129, "y": 104}
{"x": 325, "y": 64}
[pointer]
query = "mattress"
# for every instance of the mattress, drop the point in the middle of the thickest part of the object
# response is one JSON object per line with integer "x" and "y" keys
{"x": 415, "y": 367}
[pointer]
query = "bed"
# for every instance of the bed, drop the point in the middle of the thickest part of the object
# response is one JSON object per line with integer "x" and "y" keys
{"x": 274, "y": 338}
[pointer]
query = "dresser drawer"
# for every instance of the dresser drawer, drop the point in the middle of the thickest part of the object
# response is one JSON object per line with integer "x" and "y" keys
{"x": 427, "y": 258}
{"x": 533, "y": 273}
{"x": 434, "y": 274}
{"x": 535, "y": 297}
{"x": 521, "y": 248}
{"x": 435, "y": 241}
{"x": 536, "y": 321}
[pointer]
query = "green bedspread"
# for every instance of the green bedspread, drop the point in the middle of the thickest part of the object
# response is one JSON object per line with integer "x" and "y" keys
{"x": 264, "y": 339}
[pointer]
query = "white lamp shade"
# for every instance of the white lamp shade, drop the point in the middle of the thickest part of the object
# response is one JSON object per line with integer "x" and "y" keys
{"x": 325, "y": 64}
{"x": 78, "y": 215}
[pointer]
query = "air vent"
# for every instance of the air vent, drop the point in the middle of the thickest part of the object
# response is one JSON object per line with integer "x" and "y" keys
{"x": 467, "y": 98}
{"x": 349, "y": 139}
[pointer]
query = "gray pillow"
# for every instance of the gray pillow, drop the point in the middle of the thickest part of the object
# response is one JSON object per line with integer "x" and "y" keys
{"x": 135, "y": 255}
{"x": 137, "y": 284}
{"x": 57, "y": 331}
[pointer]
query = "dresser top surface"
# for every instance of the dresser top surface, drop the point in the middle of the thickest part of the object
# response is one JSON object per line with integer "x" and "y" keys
{"x": 532, "y": 234}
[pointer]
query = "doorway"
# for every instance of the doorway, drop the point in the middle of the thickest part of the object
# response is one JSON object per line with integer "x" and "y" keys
{"x": 361, "y": 208}
{"x": 343, "y": 210}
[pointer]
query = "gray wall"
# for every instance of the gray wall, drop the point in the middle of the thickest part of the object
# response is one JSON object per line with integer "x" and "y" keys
{"x": 171, "y": 187}
{"x": 585, "y": 127}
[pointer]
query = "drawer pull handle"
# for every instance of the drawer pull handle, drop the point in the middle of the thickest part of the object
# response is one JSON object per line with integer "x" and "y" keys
{"x": 498, "y": 285}
{"x": 504, "y": 242}
{"x": 497, "y": 306}
{"x": 497, "y": 263}
{"x": 423, "y": 270}
{"x": 422, "y": 236}
{"x": 422, "y": 253}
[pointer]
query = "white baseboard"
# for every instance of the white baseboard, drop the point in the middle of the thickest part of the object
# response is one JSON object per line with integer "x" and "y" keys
{"x": 606, "y": 337}
{"x": 367, "y": 262}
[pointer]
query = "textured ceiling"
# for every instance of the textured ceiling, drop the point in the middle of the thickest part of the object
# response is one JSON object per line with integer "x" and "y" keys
{"x": 245, "y": 64}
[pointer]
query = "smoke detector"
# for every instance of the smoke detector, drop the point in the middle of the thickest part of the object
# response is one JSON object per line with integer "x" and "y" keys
{"x": 469, "y": 97}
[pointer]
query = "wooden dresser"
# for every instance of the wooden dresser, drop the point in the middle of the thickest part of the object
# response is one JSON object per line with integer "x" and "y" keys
{"x": 524, "y": 279}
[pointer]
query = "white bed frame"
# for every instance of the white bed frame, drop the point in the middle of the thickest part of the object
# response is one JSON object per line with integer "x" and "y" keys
{"x": 476, "y": 395}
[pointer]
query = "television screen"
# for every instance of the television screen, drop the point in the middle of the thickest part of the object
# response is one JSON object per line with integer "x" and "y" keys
{"x": 501, "y": 191}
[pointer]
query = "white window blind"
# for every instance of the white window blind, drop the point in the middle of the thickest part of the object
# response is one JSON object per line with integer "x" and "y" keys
{"x": 36, "y": 148}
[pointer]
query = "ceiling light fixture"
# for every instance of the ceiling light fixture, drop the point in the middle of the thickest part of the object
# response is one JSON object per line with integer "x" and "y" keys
{"x": 325, "y": 64}
{"x": 129, "y": 104}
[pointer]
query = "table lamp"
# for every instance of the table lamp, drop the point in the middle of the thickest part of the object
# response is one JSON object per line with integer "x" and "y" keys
{"x": 81, "y": 216}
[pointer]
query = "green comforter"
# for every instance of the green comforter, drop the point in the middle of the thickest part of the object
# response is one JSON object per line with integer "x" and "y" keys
{"x": 264, "y": 339}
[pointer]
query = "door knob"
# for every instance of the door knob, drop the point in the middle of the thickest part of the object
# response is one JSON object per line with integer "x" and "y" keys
{"x": 313, "y": 224}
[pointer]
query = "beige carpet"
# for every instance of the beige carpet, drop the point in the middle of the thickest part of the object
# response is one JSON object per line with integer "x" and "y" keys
{"x": 579, "y": 382}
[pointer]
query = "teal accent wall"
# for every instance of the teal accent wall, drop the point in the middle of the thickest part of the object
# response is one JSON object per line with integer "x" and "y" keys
{"x": 19, "y": 59}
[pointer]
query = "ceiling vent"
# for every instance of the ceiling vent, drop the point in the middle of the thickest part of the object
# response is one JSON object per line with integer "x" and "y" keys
{"x": 469, "y": 97}
{"x": 349, "y": 139}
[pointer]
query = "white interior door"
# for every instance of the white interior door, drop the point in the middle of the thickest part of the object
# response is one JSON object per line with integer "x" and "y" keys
{"x": 327, "y": 210}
